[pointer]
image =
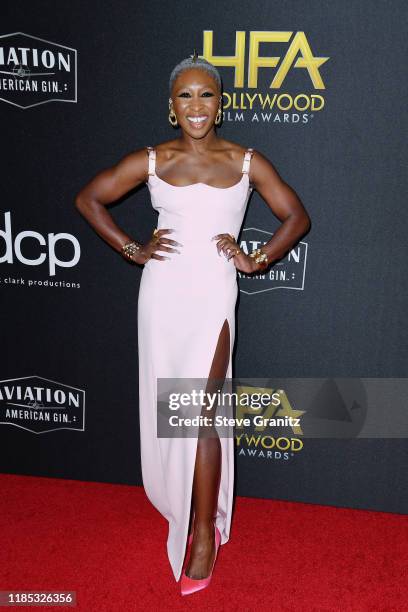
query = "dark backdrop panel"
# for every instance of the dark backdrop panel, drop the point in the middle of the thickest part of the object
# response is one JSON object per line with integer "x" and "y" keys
{"x": 344, "y": 316}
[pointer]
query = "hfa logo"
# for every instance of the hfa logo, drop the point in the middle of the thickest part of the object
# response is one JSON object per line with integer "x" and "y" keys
{"x": 35, "y": 71}
{"x": 290, "y": 56}
{"x": 285, "y": 412}
{"x": 296, "y": 54}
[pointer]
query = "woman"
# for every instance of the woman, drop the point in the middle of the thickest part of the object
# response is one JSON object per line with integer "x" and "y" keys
{"x": 200, "y": 185}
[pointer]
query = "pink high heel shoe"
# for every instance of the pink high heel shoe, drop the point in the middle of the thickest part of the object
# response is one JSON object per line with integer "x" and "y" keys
{"x": 191, "y": 585}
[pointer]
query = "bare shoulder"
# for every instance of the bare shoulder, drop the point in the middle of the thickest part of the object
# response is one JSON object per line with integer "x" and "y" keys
{"x": 133, "y": 164}
{"x": 263, "y": 171}
{"x": 136, "y": 162}
{"x": 262, "y": 166}
{"x": 113, "y": 182}
{"x": 236, "y": 154}
{"x": 258, "y": 158}
{"x": 232, "y": 150}
{"x": 167, "y": 149}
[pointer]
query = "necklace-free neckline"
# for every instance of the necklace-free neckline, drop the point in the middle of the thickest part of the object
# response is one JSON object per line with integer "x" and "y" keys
{"x": 199, "y": 183}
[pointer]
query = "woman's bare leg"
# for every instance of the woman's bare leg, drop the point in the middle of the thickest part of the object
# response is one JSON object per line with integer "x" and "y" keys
{"x": 207, "y": 472}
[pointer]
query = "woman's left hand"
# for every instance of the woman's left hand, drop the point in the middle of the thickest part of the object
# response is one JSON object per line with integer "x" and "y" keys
{"x": 244, "y": 263}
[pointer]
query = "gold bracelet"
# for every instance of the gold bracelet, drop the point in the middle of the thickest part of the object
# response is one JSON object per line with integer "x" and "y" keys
{"x": 130, "y": 248}
{"x": 259, "y": 256}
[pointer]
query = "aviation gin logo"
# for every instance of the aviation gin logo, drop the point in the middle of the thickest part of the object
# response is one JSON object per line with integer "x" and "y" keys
{"x": 287, "y": 273}
{"x": 34, "y": 71}
{"x": 40, "y": 405}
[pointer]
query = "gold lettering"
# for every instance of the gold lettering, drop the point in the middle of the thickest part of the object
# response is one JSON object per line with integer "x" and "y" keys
{"x": 298, "y": 46}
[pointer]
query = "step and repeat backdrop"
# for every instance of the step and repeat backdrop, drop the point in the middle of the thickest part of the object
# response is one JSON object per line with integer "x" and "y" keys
{"x": 320, "y": 90}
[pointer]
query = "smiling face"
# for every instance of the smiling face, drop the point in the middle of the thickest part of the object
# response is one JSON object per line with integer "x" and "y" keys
{"x": 196, "y": 99}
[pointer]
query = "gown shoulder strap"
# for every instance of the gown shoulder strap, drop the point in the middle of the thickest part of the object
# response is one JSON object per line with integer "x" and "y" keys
{"x": 152, "y": 160}
{"x": 247, "y": 160}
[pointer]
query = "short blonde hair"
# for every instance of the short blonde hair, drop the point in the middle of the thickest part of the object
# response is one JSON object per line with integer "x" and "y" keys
{"x": 195, "y": 62}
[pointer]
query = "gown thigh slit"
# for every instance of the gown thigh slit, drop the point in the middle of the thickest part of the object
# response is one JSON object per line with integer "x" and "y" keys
{"x": 218, "y": 370}
{"x": 215, "y": 380}
{"x": 220, "y": 360}
{"x": 186, "y": 308}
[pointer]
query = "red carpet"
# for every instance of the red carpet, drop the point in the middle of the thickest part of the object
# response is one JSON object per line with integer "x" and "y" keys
{"x": 107, "y": 543}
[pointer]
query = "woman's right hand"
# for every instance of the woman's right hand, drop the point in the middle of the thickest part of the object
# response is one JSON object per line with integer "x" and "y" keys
{"x": 156, "y": 243}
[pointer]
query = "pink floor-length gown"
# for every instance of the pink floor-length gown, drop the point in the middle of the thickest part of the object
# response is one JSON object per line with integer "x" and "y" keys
{"x": 182, "y": 305}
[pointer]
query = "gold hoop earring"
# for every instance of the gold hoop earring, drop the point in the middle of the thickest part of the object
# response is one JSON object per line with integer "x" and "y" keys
{"x": 172, "y": 116}
{"x": 218, "y": 117}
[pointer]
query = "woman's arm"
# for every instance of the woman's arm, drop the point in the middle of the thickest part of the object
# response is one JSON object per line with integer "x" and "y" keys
{"x": 107, "y": 187}
{"x": 284, "y": 203}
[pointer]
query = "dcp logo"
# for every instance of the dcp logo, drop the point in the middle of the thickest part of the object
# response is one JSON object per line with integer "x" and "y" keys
{"x": 50, "y": 243}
